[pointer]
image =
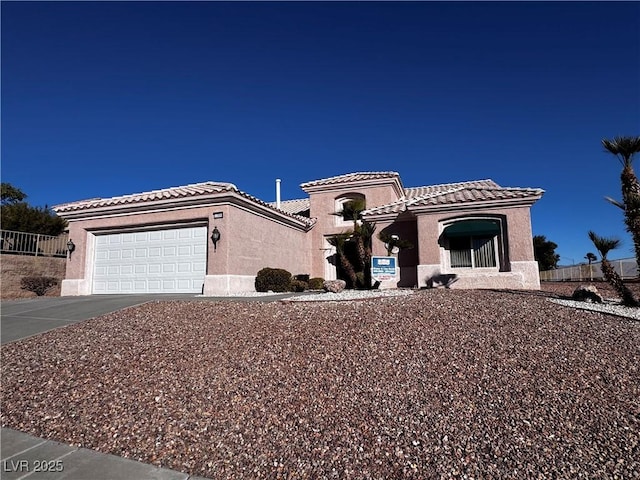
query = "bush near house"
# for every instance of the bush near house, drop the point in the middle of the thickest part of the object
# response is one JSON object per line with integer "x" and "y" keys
{"x": 274, "y": 279}
{"x": 298, "y": 285}
{"x": 316, "y": 283}
{"x": 38, "y": 284}
{"x": 14, "y": 267}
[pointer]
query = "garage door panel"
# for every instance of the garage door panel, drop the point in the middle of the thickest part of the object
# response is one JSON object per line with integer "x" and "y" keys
{"x": 162, "y": 261}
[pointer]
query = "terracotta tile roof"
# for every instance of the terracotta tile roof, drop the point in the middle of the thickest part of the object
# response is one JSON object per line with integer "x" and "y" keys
{"x": 474, "y": 194}
{"x": 305, "y": 219}
{"x": 350, "y": 177}
{"x": 435, "y": 189}
{"x": 191, "y": 190}
{"x": 454, "y": 193}
{"x": 294, "y": 207}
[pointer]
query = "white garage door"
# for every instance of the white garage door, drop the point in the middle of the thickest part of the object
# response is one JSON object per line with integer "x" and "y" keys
{"x": 159, "y": 261}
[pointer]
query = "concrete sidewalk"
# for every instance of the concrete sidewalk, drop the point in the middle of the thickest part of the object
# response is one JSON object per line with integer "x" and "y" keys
{"x": 27, "y": 457}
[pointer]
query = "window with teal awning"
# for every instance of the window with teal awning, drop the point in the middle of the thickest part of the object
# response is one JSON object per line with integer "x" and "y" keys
{"x": 472, "y": 228}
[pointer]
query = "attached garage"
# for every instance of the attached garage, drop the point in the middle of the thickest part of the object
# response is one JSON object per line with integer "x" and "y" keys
{"x": 170, "y": 260}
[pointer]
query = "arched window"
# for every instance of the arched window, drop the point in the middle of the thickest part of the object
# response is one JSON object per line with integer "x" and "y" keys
{"x": 347, "y": 208}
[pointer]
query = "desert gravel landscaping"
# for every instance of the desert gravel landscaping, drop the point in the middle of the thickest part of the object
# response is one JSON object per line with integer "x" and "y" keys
{"x": 438, "y": 384}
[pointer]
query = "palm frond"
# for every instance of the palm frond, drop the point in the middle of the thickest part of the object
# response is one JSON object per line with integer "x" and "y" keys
{"x": 338, "y": 240}
{"x": 624, "y": 148}
{"x": 603, "y": 244}
{"x": 352, "y": 209}
{"x": 615, "y": 202}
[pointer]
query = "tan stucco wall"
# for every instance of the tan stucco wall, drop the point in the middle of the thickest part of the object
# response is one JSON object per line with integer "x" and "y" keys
{"x": 521, "y": 268}
{"x": 82, "y": 231}
{"x": 249, "y": 242}
{"x": 323, "y": 204}
{"x": 256, "y": 242}
{"x": 519, "y": 235}
{"x": 407, "y": 258}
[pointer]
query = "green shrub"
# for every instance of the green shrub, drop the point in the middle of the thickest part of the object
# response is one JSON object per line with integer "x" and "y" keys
{"x": 298, "y": 285}
{"x": 38, "y": 284}
{"x": 274, "y": 279}
{"x": 316, "y": 283}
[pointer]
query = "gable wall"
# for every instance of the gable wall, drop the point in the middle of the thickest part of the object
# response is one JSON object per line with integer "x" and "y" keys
{"x": 254, "y": 242}
{"x": 322, "y": 206}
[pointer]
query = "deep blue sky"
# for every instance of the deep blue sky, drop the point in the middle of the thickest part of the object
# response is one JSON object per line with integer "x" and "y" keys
{"x": 109, "y": 98}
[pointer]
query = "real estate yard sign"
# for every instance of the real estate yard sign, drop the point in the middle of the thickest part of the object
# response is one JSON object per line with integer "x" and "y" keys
{"x": 384, "y": 268}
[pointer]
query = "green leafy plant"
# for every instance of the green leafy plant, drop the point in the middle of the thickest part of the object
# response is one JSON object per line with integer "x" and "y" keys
{"x": 298, "y": 285}
{"x": 274, "y": 279}
{"x": 38, "y": 284}
{"x": 316, "y": 283}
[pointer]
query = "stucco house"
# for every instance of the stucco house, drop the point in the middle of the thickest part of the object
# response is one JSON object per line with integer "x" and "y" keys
{"x": 161, "y": 241}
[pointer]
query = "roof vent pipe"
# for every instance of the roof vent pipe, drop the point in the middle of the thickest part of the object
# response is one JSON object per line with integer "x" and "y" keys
{"x": 278, "y": 193}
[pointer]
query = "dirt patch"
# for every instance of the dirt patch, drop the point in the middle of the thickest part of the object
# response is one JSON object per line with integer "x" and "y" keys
{"x": 14, "y": 267}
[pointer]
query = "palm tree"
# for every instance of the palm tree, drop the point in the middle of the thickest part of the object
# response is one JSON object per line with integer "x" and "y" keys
{"x": 590, "y": 258}
{"x": 393, "y": 242}
{"x": 364, "y": 234}
{"x": 352, "y": 210}
{"x": 338, "y": 240}
{"x": 625, "y": 148}
{"x": 360, "y": 235}
{"x": 604, "y": 246}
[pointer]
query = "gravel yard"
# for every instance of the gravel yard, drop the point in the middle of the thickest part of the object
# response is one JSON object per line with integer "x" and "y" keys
{"x": 437, "y": 384}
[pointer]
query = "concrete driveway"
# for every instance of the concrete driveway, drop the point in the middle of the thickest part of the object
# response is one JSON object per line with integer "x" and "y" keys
{"x": 24, "y": 318}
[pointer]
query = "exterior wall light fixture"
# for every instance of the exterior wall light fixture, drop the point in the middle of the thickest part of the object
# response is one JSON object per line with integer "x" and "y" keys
{"x": 215, "y": 237}
{"x": 70, "y": 247}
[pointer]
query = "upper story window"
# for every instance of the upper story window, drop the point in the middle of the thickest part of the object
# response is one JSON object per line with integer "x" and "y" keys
{"x": 348, "y": 208}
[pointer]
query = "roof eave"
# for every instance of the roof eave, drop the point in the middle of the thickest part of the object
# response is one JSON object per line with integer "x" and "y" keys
{"x": 215, "y": 199}
{"x": 356, "y": 184}
{"x": 475, "y": 205}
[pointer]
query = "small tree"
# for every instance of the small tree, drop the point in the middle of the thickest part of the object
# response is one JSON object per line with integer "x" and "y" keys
{"x": 590, "y": 258}
{"x": 356, "y": 267}
{"x": 10, "y": 194}
{"x": 545, "y": 254}
{"x": 19, "y": 216}
{"x": 338, "y": 241}
{"x": 392, "y": 242}
{"x": 604, "y": 246}
{"x": 624, "y": 149}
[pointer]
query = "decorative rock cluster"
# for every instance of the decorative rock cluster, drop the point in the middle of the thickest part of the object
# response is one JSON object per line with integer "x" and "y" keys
{"x": 587, "y": 293}
{"x": 334, "y": 286}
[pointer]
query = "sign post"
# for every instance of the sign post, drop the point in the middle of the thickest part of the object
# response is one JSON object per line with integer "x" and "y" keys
{"x": 384, "y": 268}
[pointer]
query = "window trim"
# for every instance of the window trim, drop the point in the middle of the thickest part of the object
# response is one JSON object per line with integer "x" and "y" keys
{"x": 496, "y": 239}
{"x": 473, "y": 251}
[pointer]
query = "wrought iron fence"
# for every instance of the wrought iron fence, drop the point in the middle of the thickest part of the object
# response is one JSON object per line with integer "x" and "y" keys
{"x": 627, "y": 268}
{"x": 23, "y": 243}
